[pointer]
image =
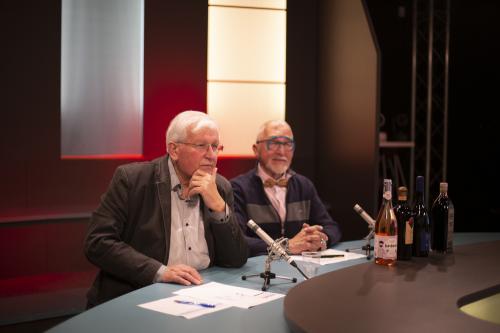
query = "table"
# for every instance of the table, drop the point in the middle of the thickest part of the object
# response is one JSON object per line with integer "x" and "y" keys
{"x": 419, "y": 296}
{"x": 123, "y": 315}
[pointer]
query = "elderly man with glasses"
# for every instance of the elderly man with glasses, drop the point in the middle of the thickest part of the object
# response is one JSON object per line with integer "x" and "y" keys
{"x": 163, "y": 220}
{"x": 282, "y": 202}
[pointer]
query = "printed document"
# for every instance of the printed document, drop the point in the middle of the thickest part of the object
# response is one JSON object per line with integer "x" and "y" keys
{"x": 215, "y": 292}
{"x": 184, "y": 306}
{"x": 207, "y": 298}
{"x": 344, "y": 256}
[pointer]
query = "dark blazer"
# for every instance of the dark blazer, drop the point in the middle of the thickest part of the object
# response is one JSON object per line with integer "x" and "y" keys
{"x": 129, "y": 233}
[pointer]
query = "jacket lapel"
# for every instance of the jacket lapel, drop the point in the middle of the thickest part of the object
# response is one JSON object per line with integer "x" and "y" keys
{"x": 163, "y": 191}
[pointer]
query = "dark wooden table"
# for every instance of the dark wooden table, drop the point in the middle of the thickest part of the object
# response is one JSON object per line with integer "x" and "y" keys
{"x": 422, "y": 295}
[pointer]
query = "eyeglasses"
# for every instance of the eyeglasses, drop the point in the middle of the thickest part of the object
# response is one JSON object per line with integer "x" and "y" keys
{"x": 273, "y": 144}
{"x": 203, "y": 147}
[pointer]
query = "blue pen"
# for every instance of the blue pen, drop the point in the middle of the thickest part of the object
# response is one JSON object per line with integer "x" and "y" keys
{"x": 205, "y": 305}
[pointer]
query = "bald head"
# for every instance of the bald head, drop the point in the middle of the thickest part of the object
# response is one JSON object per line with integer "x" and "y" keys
{"x": 274, "y": 147}
{"x": 270, "y": 126}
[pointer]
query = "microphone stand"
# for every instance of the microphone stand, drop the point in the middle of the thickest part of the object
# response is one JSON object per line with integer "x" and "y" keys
{"x": 367, "y": 247}
{"x": 371, "y": 232}
{"x": 267, "y": 275}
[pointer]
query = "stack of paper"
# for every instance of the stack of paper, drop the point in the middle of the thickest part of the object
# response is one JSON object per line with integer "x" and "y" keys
{"x": 210, "y": 297}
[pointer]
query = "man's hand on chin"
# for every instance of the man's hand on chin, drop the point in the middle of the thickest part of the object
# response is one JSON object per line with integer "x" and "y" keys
{"x": 203, "y": 182}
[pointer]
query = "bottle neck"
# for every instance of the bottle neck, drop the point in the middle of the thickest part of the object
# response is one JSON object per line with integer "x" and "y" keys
{"x": 387, "y": 198}
{"x": 387, "y": 192}
{"x": 419, "y": 197}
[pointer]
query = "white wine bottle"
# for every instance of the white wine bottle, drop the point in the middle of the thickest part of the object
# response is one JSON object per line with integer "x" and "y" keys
{"x": 386, "y": 230}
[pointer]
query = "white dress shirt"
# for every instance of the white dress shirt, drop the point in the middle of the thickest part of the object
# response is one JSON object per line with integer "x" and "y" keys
{"x": 187, "y": 233}
{"x": 276, "y": 195}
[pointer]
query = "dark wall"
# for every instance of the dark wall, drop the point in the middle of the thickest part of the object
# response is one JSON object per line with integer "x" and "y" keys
{"x": 474, "y": 74}
{"x": 348, "y": 78}
{"x": 175, "y": 66}
{"x": 36, "y": 181}
{"x": 474, "y": 142}
{"x": 392, "y": 22}
{"x": 43, "y": 246}
{"x": 301, "y": 88}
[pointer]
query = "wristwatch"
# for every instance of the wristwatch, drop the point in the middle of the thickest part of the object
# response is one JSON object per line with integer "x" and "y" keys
{"x": 285, "y": 245}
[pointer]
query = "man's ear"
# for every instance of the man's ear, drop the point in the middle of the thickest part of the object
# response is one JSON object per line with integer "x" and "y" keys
{"x": 255, "y": 150}
{"x": 172, "y": 151}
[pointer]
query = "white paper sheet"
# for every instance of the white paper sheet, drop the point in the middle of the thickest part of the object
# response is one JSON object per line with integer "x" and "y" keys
{"x": 169, "y": 306}
{"x": 327, "y": 261}
{"x": 214, "y": 292}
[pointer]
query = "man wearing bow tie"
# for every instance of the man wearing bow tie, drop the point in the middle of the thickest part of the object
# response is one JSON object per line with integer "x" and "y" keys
{"x": 282, "y": 202}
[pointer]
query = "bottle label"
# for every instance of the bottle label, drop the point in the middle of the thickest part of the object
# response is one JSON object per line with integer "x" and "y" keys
{"x": 451, "y": 223}
{"x": 386, "y": 247}
{"x": 387, "y": 195}
{"x": 409, "y": 231}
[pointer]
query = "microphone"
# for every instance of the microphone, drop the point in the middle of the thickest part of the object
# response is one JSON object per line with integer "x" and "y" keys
{"x": 364, "y": 215}
{"x": 276, "y": 248}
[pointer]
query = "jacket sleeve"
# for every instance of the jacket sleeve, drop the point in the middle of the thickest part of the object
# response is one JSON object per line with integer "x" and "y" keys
{"x": 231, "y": 249}
{"x": 256, "y": 245}
{"x": 105, "y": 246}
{"x": 319, "y": 215}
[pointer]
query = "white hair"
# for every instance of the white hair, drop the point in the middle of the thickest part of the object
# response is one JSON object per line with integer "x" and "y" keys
{"x": 271, "y": 123}
{"x": 188, "y": 120}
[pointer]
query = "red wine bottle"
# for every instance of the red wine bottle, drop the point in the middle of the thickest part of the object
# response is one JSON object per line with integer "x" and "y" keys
{"x": 404, "y": 216}
{"x": 386, "y": 230}
{"x": 442, "y": 218}
{"x": 421, "y": 225}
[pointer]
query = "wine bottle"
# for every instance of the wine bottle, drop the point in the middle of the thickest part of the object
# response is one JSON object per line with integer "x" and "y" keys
{"x": 421, "y": 226}
{"x": 386, "y": 230}
{"x": 404, "y": 216}
{"x": 442, "y": 217}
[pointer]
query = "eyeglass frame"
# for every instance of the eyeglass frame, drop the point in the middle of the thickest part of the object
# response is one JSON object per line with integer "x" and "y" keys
{"x": 272, "y": 140}
{"x": 203, "y": 147}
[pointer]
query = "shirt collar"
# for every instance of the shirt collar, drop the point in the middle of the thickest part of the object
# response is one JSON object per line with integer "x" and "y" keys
{"x": 263, "y": 175}
{"x": 177, "y": 187}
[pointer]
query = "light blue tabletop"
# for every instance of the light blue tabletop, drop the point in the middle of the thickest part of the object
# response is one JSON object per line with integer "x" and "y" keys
{"x": 123, "y": 315}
